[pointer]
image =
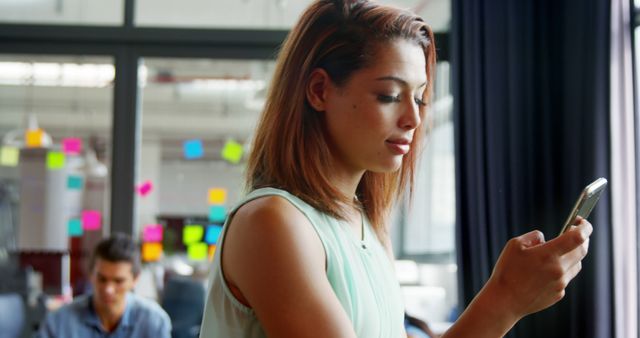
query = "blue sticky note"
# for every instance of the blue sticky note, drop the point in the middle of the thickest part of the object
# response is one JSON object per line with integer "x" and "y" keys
{"x": 193, "y": 149}
{"x": 74, "y": 182}
{"x": 74, "y": 227}
{"x": 217, "y": 213}
{"x": 213, "y": 233}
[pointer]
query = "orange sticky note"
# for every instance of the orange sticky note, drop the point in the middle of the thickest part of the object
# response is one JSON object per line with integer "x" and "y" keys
{"x": 217, "y": 196}
{"x": 33, "y": 138}
{"x": 151, "y": 252}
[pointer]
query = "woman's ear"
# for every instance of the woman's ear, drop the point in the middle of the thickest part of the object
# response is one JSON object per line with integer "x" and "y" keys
{"x": 317, "y": 89}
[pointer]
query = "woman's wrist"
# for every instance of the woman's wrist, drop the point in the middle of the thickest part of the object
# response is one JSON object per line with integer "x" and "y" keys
{"x": 498, "y": 305}
{"x": 490, "y": 315}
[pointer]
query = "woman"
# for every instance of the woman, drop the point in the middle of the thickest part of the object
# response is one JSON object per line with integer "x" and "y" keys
{"x": 307, "y": 252}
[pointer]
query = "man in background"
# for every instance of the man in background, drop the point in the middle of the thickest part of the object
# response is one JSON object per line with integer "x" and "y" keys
{"x": 111, "y": 310}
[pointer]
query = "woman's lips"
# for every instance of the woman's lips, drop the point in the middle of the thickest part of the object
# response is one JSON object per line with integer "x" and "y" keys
{"x": 399, "y": 146}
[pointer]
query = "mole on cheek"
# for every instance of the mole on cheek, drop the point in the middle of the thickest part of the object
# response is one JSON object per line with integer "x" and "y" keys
{"x": 354, "y": 106}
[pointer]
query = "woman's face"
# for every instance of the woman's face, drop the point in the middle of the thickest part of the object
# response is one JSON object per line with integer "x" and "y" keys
{"x": 371, "y": 119}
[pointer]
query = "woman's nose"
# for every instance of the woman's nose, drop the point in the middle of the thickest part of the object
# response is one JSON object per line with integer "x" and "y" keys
{"x": 411, "y": 118}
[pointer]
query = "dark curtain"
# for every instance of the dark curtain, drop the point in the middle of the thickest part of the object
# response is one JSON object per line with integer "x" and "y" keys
{"x": 531, "y": 89}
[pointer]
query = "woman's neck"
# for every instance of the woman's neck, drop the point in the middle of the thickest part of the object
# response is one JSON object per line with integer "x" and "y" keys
{"x": 346, "y": 181}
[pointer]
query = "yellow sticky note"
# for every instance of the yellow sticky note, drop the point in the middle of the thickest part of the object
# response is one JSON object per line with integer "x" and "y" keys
{"x": 55, "y": 160}
{"x": 9, "y": 156}
{"x": 232, "y": 151}
{"x": 217, "y": 196}
{"x": 33, "y": 138}
{"x": 151, "y": 252}
{"x": 192, "y": 234}
{"x": 198, "y": 251}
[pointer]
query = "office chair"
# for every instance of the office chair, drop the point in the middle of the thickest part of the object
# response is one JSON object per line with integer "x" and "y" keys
{"x": 12, "y": 316}
{"x": 183, "y": 299}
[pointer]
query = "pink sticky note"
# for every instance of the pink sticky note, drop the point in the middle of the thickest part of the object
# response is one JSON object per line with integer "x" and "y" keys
{"x": 145, "y": 188}
{"x": 152, "y": 233}
{"x": 91, "y": 220}
{"x": 71, "y": 145}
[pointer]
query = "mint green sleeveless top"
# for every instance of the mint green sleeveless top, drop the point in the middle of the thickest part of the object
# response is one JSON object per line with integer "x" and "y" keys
{"x": 359, "y": 271}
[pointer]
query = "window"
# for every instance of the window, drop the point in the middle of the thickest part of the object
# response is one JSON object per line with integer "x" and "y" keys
{"x": 198, "y": 116}
{"x": 77, "y": 12}
{"x": 199, "y": 98}
{"x": 424, "y": 230}
{"x": 55, "y": 122}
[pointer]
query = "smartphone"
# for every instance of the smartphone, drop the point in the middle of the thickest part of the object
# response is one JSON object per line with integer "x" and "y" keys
{"x": 586, "y": 202}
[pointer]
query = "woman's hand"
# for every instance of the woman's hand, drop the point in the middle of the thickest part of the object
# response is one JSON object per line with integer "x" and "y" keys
{"x": 532, "y": 274}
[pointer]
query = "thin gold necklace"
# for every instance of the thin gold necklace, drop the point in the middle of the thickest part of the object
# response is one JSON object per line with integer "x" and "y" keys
{"x": 360, "y": 209}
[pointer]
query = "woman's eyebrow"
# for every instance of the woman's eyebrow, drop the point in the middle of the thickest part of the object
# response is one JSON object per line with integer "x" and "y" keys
{"x": 399, "y": 80}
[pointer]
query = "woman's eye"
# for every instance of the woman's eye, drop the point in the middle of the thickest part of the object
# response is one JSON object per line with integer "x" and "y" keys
{"x": 388, "y": 98}
{"x": 420, "y": 102}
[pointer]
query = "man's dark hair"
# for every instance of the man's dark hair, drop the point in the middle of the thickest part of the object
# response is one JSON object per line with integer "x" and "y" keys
{"x": 117, "y": 248}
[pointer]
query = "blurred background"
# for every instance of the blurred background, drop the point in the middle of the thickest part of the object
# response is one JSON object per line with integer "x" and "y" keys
{"x": 136, "y": 116}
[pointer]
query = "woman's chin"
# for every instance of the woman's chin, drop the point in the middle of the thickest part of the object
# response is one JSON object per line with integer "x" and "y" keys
{"x": 388, "y": 167}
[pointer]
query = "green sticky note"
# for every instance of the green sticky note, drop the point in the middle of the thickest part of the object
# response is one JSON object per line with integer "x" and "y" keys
{"x": 192, "y": 234}
{"x": 74, "y": 227}
{"x": 198, "y": 251}
{"x": 9, "y": 156}
{"x": 55, "y": 160}
{"x": 74, "y": 182}
{"x": 232, "y": 151}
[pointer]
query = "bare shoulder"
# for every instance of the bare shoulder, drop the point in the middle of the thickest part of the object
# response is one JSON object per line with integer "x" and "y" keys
{"x": 268, "y": 209}
{"x": 267, "y": 231}
{"x": 275, "y": 262}
{"x": 270, "y": 218}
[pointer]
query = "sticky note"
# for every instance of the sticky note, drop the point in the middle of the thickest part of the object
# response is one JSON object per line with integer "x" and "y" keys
{"x": 232, "y": 151}
{"x": 91, "y": 220}
{"x": 217, "y": 213}
{"x": 55, "y": 160}
{"x": 192, "y": 234}
{"x": 145, "y": 188}
{"x": 151, "y": 252}
{"x": 71, "y": 145}
{"x": 193, "y": 149}
{"x": 212, "y": 251}
{"x": 152, "y": 233}
{"x": 9, "y": 156}
{"x": 33, "y": 138}
{"x": 198, "y": 251}
{"x": 217, "y": 196}
{"x": 74, "y": 182}
{"x": 213, "y": 233}
{"x": 74, "y": 227}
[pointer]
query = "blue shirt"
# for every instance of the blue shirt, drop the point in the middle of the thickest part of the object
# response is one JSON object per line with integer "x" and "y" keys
{"x": 141, "y": 319}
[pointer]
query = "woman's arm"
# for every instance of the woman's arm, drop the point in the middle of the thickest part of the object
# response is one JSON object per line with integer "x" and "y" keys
{"x": 530, "y": 275}
{"x": 274, "y": 258}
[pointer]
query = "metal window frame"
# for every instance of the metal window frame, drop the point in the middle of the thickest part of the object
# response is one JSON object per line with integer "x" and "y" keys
{"x": 635, "y": 23}
{"x": 127, "y": 44}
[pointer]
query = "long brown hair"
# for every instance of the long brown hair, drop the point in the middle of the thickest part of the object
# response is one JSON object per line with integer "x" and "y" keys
{"x": 289, "y": 149}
